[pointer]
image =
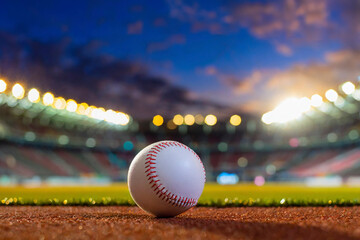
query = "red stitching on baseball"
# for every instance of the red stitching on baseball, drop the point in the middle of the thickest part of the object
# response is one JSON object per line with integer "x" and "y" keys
{"x": 164, "y": 193}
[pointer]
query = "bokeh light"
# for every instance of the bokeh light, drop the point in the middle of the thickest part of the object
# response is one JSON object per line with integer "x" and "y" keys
{"x": 199, "y": 119}
{"x": 242, "y": 162}
{"x": 178, "y": 119}
{"x": 111, "y": 116}
{"x": 348, "y": 88}
{"x": 82, "y": 108}
{"x": 34, "y": 95}
{"x": 210, "y": 120}
{"x": 158, "y": 120}
{"x": 48, "y": 99}
{"x": 59, "y": 103}
{"x": 171, "y": 125}
{"x": 189, "y": 119}
{"x": 89, "y": 110}
{"x": 71, "y": 105}
{"x": 267, "y": 118}
{"x": 3, "y": 86}
{"x": 331, "y": 95}
{"x": 98, "y": 113}
{"x": 122, "y": 118}
{"x": 316, "y": 100}
{"x": 18, "y": 91}
{"x": 128, "y": 146}
{"x": 235, "y": 120}
{"x": 259, "y": 180}
{"x": 304, "y": 104}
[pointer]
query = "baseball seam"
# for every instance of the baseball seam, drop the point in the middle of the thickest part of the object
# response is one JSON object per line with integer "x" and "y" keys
{"x": 155, "y": 183}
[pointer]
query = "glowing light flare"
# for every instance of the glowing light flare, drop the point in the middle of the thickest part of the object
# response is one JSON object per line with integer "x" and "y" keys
{"x": 348, "y": 88}
{"x": 331, "y": 95}
{"x": 235, "y": 120}
{"x": 189, "y": 119}
{"x": 34, "y": 95}
{"x": 18, "y": 91}
{"x": 48, "y": 99}
{"x": 316, "y": 100}
{"x": 71, "y": 105}
{"x": 3, "y": 86}
{"x": 267, "y": 118}
{"x": 288, "y": 110}
{"x": 59, "y": 103}
{"x": 178, "y": 119}
{"x": 158, "y": 120}
{"x": 210, "y": 120}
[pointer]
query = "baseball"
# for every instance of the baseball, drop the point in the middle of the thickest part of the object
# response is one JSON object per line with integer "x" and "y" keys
{"x": 166, "y": 178}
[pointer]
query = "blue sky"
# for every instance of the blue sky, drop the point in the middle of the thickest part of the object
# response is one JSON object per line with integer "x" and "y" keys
{"x": 229, "y": 52}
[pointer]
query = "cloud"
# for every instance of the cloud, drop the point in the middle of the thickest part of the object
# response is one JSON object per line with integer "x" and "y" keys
{"x": 284, "y": 49}
{"x": 176, "y": 39}
{"x": 159, "y": 22}
{"x": 286, "y": 24}
{"x": 234, "y": 82}
{"x": 200, "y": 18}
{"x": 135, "y": 27}
{"x": 82, "y": 73}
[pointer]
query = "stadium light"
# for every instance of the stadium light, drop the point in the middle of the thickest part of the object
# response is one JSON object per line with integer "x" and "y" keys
{"x": 348, "y": 88}
{"x": 98, "y": 113}
{"x": 82, "y": 108}
{"x": 189, "y": 119}
{"x": 18, "y": 91}
{"x": 59, "y": 103}
{"x": 158, "y": 120}
{"x": 89, "y": 110}
{"x": 3, "y": 86}
{"x": 71, "y": 105}
{"x": 340, "y": 102}
{"x": 178, "y": 119}
{"x": 356, "y": 95}
{"x": 110, "y": 116}
{"x": 288, "y": 110}
{"x": 235, "y": 120}
{"x": 210, "y": 120}
{"x": 34, "y": 95}
{"x": 171, "y": 125}
{"x": 123, "y": 118}
{"x": 267, "y": 118}
{"x": 199, "y": 119}
{"x": 304, "y": 104}
{"x": 331, "y": 95}
{"x": 48, "y": 99}
{"x": 316, "y": 100}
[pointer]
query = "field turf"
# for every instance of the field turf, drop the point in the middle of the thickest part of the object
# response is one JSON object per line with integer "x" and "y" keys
{"x": 213, "y": 196}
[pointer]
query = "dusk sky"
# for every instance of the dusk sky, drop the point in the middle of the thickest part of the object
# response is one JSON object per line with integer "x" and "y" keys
{"x": 239, "y": 56}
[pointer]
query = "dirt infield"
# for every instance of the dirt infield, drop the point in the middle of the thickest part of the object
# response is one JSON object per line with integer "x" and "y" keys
{"x": 198, "y": 223}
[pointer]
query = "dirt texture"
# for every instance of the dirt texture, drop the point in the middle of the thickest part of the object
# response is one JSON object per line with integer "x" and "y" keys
{"x": 197, "y": 223}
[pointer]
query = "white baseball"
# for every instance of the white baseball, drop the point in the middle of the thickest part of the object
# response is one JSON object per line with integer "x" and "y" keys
{"x": 166, "y": 178}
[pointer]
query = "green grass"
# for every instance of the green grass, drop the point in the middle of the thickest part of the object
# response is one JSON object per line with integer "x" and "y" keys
{"x": 213, "y": 195}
